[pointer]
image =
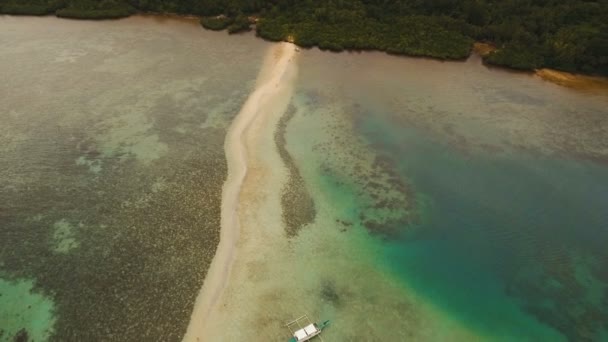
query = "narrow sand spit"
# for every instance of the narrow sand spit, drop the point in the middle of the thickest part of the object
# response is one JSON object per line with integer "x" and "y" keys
{"x": 268, "y": 86}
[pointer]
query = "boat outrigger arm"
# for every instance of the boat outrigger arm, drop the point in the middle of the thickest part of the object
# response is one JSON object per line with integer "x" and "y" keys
{"x": 305, "y": 329}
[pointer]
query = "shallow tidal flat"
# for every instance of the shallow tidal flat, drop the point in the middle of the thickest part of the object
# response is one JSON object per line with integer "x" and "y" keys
{"x": 112, "y": 163}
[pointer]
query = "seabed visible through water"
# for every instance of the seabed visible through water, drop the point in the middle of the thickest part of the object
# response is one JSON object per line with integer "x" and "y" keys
{"x": 401, "y": 198}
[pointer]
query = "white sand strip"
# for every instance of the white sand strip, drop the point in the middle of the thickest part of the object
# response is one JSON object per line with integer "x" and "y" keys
{"x": 269, "y": 80}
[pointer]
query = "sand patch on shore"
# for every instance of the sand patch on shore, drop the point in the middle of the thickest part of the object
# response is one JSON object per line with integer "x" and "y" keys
{"x": 576, "y": 81}
{"x": 483, "y": 49}
{"x": 563, "y": 78}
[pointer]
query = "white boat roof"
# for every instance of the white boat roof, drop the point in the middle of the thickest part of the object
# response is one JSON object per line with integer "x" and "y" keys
{"x": 305, "y": 332}
{"x": 300, "y": 334}
{"x": 310, "y": 329}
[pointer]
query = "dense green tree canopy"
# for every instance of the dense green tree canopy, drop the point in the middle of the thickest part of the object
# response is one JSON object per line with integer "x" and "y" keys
{"x": 569, "y": 35}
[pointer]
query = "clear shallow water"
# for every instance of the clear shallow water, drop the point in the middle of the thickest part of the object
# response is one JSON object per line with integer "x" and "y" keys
{"x": 501, "y": 222}
{"x": 112, "y": 162}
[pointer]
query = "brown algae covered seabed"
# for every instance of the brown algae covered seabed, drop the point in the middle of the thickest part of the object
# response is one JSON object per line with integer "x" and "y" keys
{"x": 112, "y": 169}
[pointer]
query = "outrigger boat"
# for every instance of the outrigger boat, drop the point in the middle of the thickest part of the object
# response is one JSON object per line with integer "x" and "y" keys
{"x": 306, "y": 330}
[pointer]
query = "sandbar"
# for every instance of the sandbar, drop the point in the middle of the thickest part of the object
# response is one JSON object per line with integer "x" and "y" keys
{"x": 268, "y": 85}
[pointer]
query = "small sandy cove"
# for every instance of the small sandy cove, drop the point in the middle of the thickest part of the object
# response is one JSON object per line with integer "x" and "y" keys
{"x": 268, "y": 87}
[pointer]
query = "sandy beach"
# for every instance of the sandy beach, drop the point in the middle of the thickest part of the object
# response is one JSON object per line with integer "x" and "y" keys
{"x": 237, "y": 145}
{"x": 575, "y": 81}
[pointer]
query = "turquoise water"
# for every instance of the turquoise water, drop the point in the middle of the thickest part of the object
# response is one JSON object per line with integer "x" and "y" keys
{"x": 25, "y": 309}
{"x": 506, "y": 237}
{"x": 486, "y": 191}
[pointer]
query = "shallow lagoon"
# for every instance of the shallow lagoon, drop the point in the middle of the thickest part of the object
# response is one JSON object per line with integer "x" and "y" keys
{"x": 112, "y": 162}
{"x": 483, "y": 192}
{"x": 451, "y": 202}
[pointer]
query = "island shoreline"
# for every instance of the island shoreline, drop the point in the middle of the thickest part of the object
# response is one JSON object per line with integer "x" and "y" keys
{"x": 482, "y": 49}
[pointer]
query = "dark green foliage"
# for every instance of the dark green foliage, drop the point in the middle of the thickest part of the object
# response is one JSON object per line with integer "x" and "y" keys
{"x": 276, "y": 31}
{"x": 216, "y": 23}
{"x": 352, "y": 29}
{"x": 240, "y": 24}
{"x": 516, "y": 57}
{"x": 562, "y": 34}
{"x": 77, "y": 13}
{"x": 568, "y": 35}
{"x": 91, "y": 9}
{"x": 26, "y": 9}
{"x": 33, "y": 7}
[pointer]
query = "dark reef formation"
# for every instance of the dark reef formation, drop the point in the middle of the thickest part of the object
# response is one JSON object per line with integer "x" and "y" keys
{"x": 385, "y": 204}
{"x": 565, "y": 277}
{"x": 297, "y": 205}
{"x": 21, "y": 336}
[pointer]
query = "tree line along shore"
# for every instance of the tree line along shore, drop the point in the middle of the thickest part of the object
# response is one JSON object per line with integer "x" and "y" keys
{"x": 567, "y": 35}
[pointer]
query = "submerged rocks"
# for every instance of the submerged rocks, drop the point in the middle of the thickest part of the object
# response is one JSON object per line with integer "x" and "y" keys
{"x": 297, "y": 205}
{"x": 329, "y": 293}
{"x": 21, "y": 336}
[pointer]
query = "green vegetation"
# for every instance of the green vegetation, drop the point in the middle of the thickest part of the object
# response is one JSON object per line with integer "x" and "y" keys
{"x": 90, "y": 9}
{"x": 32, "y": 7}
{"x": 238, "y": 24}
{"x": 410, "y": 35}
{"x": 216, "y": 23}
{"x": 570, "y": 35}
{"x": 516, "y": 57}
